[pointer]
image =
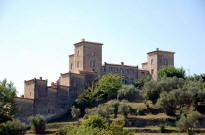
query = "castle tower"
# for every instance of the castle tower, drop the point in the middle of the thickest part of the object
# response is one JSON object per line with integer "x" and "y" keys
{"x": 36, "y": 89}
{"x": 158, "y": 59}
{"x": 87, "y": 57}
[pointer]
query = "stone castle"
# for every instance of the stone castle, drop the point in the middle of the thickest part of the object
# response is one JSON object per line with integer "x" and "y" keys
{"x": 84, "y": 66}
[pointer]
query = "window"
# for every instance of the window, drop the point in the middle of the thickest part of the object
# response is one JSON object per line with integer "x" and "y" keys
{"x": 165, "y": 62}
{"x": 92, "y": 64}
{"x": 152, "y": 71}
{"x": 152, "y": 61}
{"x": 116, "y": 70}
{"x": 126, "y": 80}
{"x": 131, "y": 80}
{"x": 121, "y": 70}
{"x": 110, "y": 69}
{"x": 131, "y": 71}
{"x": 78, "y": 64}
{"x": 71, "y": 66}
{"x": 126, "y": 71}
{"x": 78, "y": 53}
{"x": 92, "y": 54}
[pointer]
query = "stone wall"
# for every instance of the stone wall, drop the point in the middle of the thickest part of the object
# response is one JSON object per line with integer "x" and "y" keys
{"x": 25, "y": 108}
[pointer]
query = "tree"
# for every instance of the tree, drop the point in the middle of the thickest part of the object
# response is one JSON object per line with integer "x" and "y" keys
{"x": 188, "y": 122}
{"x": 109, "y": 84}
{"x": 127, "y": 92}
{"x": 37, "y": 123}
{"x": 115, "y": 106}
{"x": 7, "y": 103}
{"x": 75, "y": 112}
{"x": 171, "y": 71}
{"x": 152, "y": 89}
{"x": 124, "y": 109}
{"x": 168, "y": 103}
{"x": 139, "y": 83}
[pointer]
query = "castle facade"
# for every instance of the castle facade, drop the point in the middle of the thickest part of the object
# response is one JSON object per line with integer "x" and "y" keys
{"x": 85, "y": 64}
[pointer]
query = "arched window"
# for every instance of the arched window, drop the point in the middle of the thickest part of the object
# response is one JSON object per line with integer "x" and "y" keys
{"x": 152, "y": 61}
{"x": 92, "y": 64}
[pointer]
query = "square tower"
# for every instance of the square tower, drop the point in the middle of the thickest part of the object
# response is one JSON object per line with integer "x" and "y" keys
{"x": 158, "y": 59}
{"x": 87, "y": 57}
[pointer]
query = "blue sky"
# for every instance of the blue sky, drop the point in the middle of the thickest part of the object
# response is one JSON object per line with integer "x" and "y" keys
{"x": 36, "y": 36}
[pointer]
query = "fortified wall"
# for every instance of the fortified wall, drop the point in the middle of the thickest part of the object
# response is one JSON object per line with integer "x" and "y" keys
{"x": 84, "y": 66}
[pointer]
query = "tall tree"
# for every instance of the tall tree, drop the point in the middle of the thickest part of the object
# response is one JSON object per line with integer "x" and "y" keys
{"x": 7, "y": 103}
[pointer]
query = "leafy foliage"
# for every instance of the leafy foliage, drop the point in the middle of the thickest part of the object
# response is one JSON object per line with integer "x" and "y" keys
{"x": 114, "y": 104}
{"x": 95, "y": 125}
{"x": 14, "y": 127}
{"x": 7, "y": 104}
{"x": 75, "y": 112}
{"x": 37, "y": 123}
{"x": 127, "y": 92}
{"x": 153, "y": 88}
{"x": 188, "y": 122}
{"x": 104, "y": 111}
{"x": 139, "y": 84}
{"x": 171, "y": 72}
{"x": 102, "y": 90}
{"x": 124, "y": 109}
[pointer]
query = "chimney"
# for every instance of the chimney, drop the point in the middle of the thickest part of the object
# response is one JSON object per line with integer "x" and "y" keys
{"x": 40, "y": 78}
{"x": 157, "y": 49}
{"x": 83, "y": 39}
{"x": 122, "y": 63}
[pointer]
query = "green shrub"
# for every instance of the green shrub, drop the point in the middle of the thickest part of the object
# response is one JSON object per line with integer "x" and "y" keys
{"x": 75, "y": 112}
{"x": 37, "y": 123}
{"x": 104, "y": 111}
{"x": 188, "y": 122}
{"x": 14, "y": 127}
{"x": 114, "y": 104}
{"x": 127, "y": 92}
{"x": 94, "y": 122}
{"x": 124, "y": 109}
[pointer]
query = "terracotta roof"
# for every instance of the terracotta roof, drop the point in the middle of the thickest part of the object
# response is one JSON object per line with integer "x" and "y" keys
{"x": 144, "y": 63}
{"x": 71, "y": 55}
{"x": 24, "y": 98}
{"x": 52, "y": 87}
{"x": 26, "y": 81}
{"x": 64, "y": 74}
{"x": 87, "y": 42}
{"x": 64, "y": 86}
{"x": 120, "y": 65}
{"x": 160, "y": 51}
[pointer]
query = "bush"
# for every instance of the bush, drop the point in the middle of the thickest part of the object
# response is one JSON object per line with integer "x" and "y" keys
{"x": 124, "y": 109}
{"x": 103, "y": 111}
{"x": 37, "y": 123}
{"x": 188, "y": 122}
{"x": 14, "y": 127}
{"x": 75, "y": 112}
{"x": 171, "y": 71}
{"x": 114, "y": 104}
{"x": 94, "y": 122}
{"x": 127, "y": 92}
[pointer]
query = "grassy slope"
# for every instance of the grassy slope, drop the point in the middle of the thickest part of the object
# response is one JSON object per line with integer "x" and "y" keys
{"x": 53, "y": 126}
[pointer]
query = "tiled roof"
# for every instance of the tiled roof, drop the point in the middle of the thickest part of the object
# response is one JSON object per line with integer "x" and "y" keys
{"x": 23, "y": 98}
{"x": 87, "y": 42}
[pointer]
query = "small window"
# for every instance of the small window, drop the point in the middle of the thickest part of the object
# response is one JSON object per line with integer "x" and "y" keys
{"x": 71, "y": 66}
{"x": 78, "y": 64}
{"x": 131, "y": 80}
{"x": 92, "y": 54}
{"x": 78, "y": 53}
{"x": 110, "y": 69}
{"x": 152, "y": 61}
{"x": 152, "y": 71}
{"x": 121, "y": 70}
{"x": 116, "y": 70}
{"x": 126, "y": 71}
{"x": 92, "y": 64}
{"x": 131, "y": 71}
{"x": 126, "y": 80}
{"x": 165, "y": 62}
